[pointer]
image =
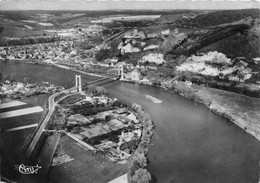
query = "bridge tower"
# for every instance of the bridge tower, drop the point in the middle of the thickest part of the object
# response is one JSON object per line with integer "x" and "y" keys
{"x": 78, "y": 83}
{"x": 121, "y": 71}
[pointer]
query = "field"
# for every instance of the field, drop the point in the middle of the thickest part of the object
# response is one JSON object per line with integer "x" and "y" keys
{"x": 126, "y": 18}
{"x": 18, "y": 32}
{"x": 86, "y": 166}
{"x": 14, "y": 142}
{"x": 220, "y": 17}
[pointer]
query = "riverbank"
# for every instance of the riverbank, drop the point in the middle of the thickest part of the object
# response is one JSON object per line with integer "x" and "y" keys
{"x": 138, "y": 161}
{"x": 227, "y": 104}
{"x": 239, "y": 109}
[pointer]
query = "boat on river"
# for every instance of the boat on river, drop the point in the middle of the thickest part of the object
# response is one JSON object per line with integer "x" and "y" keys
{"x": 155, "y": 100}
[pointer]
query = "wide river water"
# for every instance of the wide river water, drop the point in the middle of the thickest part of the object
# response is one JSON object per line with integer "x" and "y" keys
{"x": 190, "y": 143}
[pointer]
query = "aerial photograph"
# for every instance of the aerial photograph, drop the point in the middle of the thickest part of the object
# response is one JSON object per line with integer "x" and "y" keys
{"x": 129, "y": 91}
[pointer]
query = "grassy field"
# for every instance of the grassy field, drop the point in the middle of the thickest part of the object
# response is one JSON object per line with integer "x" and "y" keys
{"x": 86, "y": 167}
{"x": 15, "y": 141}
{"x": 37, "y": 100}
{"x": 72, "y": 99}
{"x": 18, "y": 32}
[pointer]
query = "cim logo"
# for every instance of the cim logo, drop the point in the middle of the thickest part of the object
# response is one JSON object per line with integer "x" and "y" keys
{"x": 27, "y": 169}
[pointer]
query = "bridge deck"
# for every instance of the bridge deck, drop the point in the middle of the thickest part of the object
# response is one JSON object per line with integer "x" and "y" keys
{"x": 102, "y": 79}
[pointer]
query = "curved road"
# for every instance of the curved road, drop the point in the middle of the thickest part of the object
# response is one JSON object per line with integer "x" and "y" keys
{"x": 51, "y": 109}
{"x": 43, "y": 124}
{"x": 114, "y": 36}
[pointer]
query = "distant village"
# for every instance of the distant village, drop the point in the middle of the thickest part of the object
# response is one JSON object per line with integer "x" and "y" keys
{"x": 17, "y": 90}
{"x": 80, "y": 54}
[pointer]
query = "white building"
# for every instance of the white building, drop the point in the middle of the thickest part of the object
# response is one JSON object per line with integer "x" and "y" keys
{"x": 166, "y": 32}
{"x": 135, "y": 75}
{"x": 129, "y": 49}
{"x": 156, "y": 58}
{"x": 150, "y": 47}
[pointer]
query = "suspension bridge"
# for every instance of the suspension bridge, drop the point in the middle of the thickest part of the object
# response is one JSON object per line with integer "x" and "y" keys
{"x": 77, "y": 83}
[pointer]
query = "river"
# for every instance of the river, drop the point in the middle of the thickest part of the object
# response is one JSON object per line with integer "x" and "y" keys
{"x": 190, "y": 144}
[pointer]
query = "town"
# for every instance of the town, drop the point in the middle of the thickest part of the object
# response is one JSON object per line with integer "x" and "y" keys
{"x": 139, "y": 57}
{"x": 103, "y": 96}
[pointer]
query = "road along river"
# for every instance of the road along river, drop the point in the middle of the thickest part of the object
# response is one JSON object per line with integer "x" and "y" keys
{"x": 190, "y": 144}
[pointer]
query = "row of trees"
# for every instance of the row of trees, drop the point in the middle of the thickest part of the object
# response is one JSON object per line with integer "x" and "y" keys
{"x": 97, "y": 90}
{"x": 4, "y": 77}
{"x": 137, "y": 172}
{"x": 29, "y": 40}
{"x": 10, "y": 77}
{"x": 102, "y": 54}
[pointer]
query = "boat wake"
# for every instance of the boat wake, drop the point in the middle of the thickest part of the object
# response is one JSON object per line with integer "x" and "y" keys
{"x": 155, "y": 100}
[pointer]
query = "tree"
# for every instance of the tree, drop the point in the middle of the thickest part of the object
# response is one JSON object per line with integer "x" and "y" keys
{"x": 141, "y": 176}
{"x": 26, "y": 80}
{"x": 108, "y": 118}
{"x": 83, "y": 56}
{"x": 8, "y": 77}
{"x": 165, "y": 72}
{"x": 91, "y": 88}
{"x": 146, "y": 118}
{"x": 117, "y": 103}
{"x": 137, "y": 108}
{"x": 101, "y": 90}
{"x": 134, "y": 106}
{"x": 102, "y": 54}
{"x": 181, "y": 59}
{"x": 141, "y": 160}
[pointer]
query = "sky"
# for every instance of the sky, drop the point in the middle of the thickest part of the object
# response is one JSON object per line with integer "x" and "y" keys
{"x": 125, "y": 4}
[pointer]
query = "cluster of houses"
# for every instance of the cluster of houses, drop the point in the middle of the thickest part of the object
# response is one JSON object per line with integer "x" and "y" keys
{"x": 77, "y": 32}
{"x": 153, "y": 58}
{"x": 19, "y": 89}
{"x": 134, "y": 41}
{"x": 238, "y": 72}
{"x": 107, "y": 122}
{"x": 134, "y": 75}
{"x": 138, "y": 34}
{"x": 37, "y": 51}
{"x": 63, "y": 51}
{"x": 51, "y": 52}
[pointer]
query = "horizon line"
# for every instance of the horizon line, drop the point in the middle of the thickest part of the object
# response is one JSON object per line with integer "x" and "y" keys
{"x": 126, "y": 5}
{"x": 186, "y": 9}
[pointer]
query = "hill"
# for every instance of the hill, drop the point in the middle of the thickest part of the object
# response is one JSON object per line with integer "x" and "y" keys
{"x": 195, "y": 41}
{"x": 219, "y": 17}
{"x": 239, "y": 44}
